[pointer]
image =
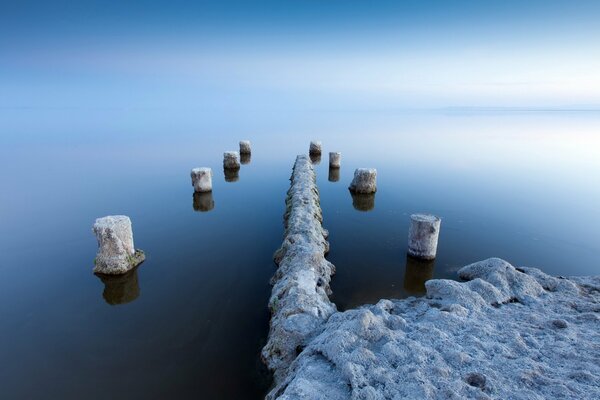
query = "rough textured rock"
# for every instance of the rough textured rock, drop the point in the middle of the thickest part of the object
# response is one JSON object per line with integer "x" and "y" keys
{"x": 506, "y": 333}
{"x": 201, "y": 179}
{"x": 245, "y": 147}
{"x": 299, "y": 300}
{"x": 231, "y": 160}
{"x": 423, "y": 236}
{"x": 315, "y": 147}
{"x": 116, "y": 254}
{"x": 335, "y": 159}
{"x": 365, "y": 181}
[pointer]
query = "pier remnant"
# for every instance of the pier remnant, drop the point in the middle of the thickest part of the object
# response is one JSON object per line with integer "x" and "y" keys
{"x": 335, "y": 159}
{"x": 245, "y": 147}
{"x": 299, "y": 300}
{"x": 423, "y": 236}
{"x": 202, "y": 179}
{"x": 315, "y": 147}
{"x": 231, "y": 160}
{"x": 116, "y": 254}
{"x": 365, "y": 181}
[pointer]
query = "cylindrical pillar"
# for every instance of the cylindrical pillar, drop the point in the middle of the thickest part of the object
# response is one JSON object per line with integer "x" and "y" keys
{"x": 315, "y": 147}
{"x": 116, "y": 254}
{"x": 202, "y": 179}
{"x": 365, "y": 181}
{"x": 335, "y": 159}
{"x": 423, "y": 236}
{"x": 245, "y": 147}
{"x": 231, "y": 160}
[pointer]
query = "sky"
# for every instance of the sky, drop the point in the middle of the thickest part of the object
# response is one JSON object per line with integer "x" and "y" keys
{"x": 300, "y": 54}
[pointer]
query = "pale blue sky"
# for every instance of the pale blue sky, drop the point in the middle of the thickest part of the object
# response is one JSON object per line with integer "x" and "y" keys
{"x": 300, "y": 54}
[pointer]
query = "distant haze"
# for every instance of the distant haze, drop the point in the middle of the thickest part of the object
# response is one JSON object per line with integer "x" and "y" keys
{"x": 300, "y": 54}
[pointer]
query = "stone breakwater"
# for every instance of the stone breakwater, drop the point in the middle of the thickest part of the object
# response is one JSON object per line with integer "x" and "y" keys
{"x": 505, "y": 333}
{"x": 299, "y": 300}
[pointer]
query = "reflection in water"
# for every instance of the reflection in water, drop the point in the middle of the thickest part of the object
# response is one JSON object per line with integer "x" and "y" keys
{"x": 203, "y": 201}
{"x": 120, "y": 289}
{"x": 232, "y": 175}
{"x": 245, "y": 158}
{"x": 315, "y": 158}
{"x": 334, "y": 174}
{"x": 363, "y": 201}
{"x": 416, "y": 273}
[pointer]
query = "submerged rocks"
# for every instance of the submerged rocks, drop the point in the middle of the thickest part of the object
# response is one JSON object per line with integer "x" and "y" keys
{"x": 116, "y": 254}
{"x": 504, "y": 333}
{"x": 299, "y": 300}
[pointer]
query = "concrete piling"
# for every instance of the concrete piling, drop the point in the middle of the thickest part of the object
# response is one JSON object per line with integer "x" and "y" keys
{"x": 245, "y": 147}
{"x": 116, "y": 254}
{"x": 231, "y": 160}
{"x": 365, "y": 181}
{"x": 202, "y": 179}
{"x": 335, "y": 159}
{"x": 423, "y": 236}
{"x": 315, "y": 147}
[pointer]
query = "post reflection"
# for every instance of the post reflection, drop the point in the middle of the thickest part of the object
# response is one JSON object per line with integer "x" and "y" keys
{"x": 416, "y": 273}
{"x": 120, "y": 289}
{"x": 334, "y": 174}
{"x": 231, "y": 175}
{"x": 203, "y": 201}
{"x": 315, "y": 158}
{"x": 363, "y": 201}
{"x": 245, "y": 158}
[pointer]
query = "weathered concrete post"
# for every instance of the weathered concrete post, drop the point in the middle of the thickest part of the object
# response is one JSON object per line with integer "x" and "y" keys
{"x": 245, "y": 147}
{"x": 423, "y": 236}
{"x": 315, "y": 147}
{"x": 365, "y": 181}
{"x": 231, "y": 160}
{"x": 116, "y": 254}
{"x": 202, "y": 179}
{"x": 335, "y": 159}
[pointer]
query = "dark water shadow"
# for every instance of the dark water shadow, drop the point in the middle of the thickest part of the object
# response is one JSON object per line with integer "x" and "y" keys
{"x": 245, "y": 158}
{"x": 120, "y": 289}
{"x": 334, "y": 174}
{"x": 363, "y": 201}
{"x": 203, "y": 201}
{"x": 232, "y": 175}
{"x": 416, "y": 273}
{"x": 315, "y": 158}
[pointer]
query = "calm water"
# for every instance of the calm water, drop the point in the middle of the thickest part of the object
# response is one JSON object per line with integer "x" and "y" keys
{"x": 190, "y": 322}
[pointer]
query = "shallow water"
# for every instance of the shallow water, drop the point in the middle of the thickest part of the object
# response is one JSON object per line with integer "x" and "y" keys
{"x": 191, "y": 320}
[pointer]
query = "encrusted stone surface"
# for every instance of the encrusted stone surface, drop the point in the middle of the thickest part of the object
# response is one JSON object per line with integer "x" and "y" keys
{"x": 423, "y": 236}
{"x": 201, "y": 179}
{"x": 335, "y": 159}
{"x": 299, "y": 301}
{"x": 364, "y": 181}
{"x": 245, "y": 147}
{"x": 506, "y": 333}
{"x": 116, "y": 254}
{"x": 231, "y": 160}
{"x": 315, "y": 147}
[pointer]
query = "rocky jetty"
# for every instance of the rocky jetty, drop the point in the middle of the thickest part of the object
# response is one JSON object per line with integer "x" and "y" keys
{"x": 299, "y": 300}
{"x": 504, "y": 333}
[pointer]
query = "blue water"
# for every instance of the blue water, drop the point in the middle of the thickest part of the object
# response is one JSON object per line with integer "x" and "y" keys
{"x": 191, "y": 320}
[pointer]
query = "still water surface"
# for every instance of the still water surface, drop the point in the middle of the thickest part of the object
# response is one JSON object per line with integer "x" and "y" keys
{"x": 191, "y": 320}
